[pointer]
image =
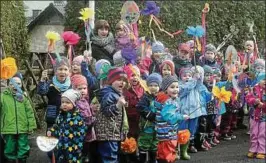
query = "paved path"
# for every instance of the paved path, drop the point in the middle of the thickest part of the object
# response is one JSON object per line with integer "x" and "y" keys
{"x": 233, "y": 151}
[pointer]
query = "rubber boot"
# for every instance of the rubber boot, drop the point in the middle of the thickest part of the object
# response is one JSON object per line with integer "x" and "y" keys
{"x": 152, "y": 157}
{"x": 184, "y": 155}
{"x": 143, "y": 156}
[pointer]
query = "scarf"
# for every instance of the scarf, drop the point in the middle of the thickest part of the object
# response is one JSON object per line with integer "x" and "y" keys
{"x": 181, "y": 62}
{"x": 62, "y": 86}
{"x": 107, "y": 43}
{"x": 19, "y": 94}
{"x": 138, "y": 90}
{"x": 122, "y": 42}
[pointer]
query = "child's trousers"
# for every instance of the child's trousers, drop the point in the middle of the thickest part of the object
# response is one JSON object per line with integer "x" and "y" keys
{"x": 191, "y": 125}
{"x": 167, "y": 150}
{"x": 16, "y": 146}
{"x": 257, "y": 136}
{"x": 108, "y": 151}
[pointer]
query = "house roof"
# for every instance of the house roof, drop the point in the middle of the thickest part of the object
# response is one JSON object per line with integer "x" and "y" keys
{"x": 60, "y": 9}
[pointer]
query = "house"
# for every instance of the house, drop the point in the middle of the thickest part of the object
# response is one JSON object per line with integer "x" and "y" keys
{"x": 50, "y": 19}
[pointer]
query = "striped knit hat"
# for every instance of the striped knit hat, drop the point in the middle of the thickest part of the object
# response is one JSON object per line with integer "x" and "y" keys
{"x": 115, "y": 74}
{"x": 167, "y": 81}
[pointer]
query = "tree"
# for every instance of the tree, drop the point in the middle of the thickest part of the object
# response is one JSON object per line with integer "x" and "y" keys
{"x": 13, "y": 29}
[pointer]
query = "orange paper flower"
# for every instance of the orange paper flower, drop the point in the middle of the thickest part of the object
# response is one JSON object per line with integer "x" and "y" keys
{"x": 129, "y": 145}
{"x": 183, "y": 136}
{"x": 8, "y": 68}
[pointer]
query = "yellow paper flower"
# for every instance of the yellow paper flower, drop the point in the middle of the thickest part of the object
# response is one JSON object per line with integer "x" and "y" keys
{"x": 86, "y": 13}
{"x": 52, "y": 36}
{"x": 221, "y": 94}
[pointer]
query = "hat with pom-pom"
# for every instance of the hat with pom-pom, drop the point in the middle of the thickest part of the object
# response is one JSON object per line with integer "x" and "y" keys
{"x": 157, "y": 47}
{"x": 154, "y": 78}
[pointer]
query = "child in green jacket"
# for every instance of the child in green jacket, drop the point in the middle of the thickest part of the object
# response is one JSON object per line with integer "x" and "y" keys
{"x": 17, "y": 121}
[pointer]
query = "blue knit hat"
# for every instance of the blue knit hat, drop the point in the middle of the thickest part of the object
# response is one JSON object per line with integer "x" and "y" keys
{"x": 207, "y": 69}
{"x": 157, "y": 47}
{"x": 154, "y": 78}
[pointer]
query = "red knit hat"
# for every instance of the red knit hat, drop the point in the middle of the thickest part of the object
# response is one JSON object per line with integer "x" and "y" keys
{"x": 115, "y": 74}
{"x": 77, "y": 80}
{"x": 169, "y": 63}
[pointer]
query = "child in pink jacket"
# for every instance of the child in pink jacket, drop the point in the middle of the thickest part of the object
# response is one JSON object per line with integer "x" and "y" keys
{"x": 257, "y": 100}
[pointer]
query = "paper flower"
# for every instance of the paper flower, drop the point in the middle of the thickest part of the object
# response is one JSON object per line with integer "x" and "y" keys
{"x": 52, "y": 38}
{"x": 104, "y": 71}
{"x": 221, "y": 94}
{"x": 183, "y": 136}
{"x": 162, "y": 97}
{"x": 129, "y": 54}
{"x": 197, "y": 31}
{"x": 129, "y": 145}
{"x": 8, "y": 68}
{"x": 130, "y": 12}
{"x": 86, "y": 13}
{"x": 70, "y": 37}
{"x": 150, "y": 8}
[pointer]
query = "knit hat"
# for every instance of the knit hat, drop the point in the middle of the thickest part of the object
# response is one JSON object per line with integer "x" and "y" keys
{"x": 60, "y": 62}
{"x": 259, "y": 62}
{"x": 207, "y": 69}
{"x": 19, "y": 75}
{"x": 167, "y": 81}
{"x": 190, "y": 43}
{"x": 72, "y": 95}
{"x": 184, "y": 71}
{"x": 217, "y": 71}
{"x": 169, "y": 63}
{"x": 157, "y": 47}
{"x": 77, "y": 80}
{"x": 78, "y": 59}
{"x": 115, "y": 74}
{"x": 210, "y": 47}
{"x": 184, "y": 47}
{"x": 118, "y": 59}
{"x": 154, "y": 78}
{"x": 99, "y": 64}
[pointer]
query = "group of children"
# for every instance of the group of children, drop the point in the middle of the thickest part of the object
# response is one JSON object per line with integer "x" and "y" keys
{"x": 100, "y": 100}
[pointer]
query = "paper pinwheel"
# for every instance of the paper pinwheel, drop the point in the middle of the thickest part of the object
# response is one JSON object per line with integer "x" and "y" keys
{"x": 129, "y": 145}
{"x": 221, "y": 94}
{"x": 70, "y": 37}
{"x": 46, "y": 144}
{"x": 130, "y": 12}
{"x": 52, "y": 38}
{"x": 86, "y": 13}
{"x": 8, "y": 68}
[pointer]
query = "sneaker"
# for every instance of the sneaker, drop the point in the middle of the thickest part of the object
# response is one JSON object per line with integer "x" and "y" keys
{"x": 215, "y": 140}
{"x": 192, "y": 149}
{"x": 232, "y": 136}
{"x": 260, "y": 156}
{"x": 226, "y": 137}
{"x": 206, "y": 144}
{"x": 212, "y": 143}
{"x": 250, "y": 155}
{"x": 203, "y": 148}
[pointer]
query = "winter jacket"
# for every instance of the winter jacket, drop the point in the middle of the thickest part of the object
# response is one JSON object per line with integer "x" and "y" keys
{"x": 168, "y": 118}
{"x": 16, "y": 117}
{"x": 109, "y": 120}
{"x": 132, "y": 113}
{"x": 70, "y": 129}
{"x": 88, "y": 118}
{"x": 212, "y": 64}
{"x": 100, "y": 53}
{"x": 257, "y": 113}
{"x": 91, "y": 79}
{"x": 179, "y": 64}
{"x": 147, "y": 107}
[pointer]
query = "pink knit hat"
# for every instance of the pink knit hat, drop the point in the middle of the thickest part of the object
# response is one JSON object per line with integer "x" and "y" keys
{"x": 77, "y": 80}
{"x": 78, "y": 59}
{"x": 169, "y": 63}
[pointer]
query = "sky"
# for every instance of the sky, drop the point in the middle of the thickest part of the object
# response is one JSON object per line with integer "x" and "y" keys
{"x": 35, "y": 5}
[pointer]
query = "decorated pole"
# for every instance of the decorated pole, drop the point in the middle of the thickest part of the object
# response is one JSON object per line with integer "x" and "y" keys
{"x": 203, "y": 23}
{"x": 91, "y": 21}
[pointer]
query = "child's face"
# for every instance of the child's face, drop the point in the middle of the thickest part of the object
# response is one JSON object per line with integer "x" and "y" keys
{"x": 154, "y": 88}
{"x": 208, "y": 78}
{"x": 209, "y": 55}
{"x": 166, "y": 70}
{"x": 17, "y": 81}
{"x": 134, "y": 80}
{"x": 62, "y": 73}
{"x": 183, "y": 55}
{"x": 249, "y": 48}
{"x": 263, "y": 83}
{"x": 173, "y": 90}
{"x": 260, "y": 69}
{"x": 156, "y": 57}
{"x": 83, "y": 89}
{"x": 120, "y": 31}
{"x": 103, "y": 32}
{"x": 119, "y": 84}
{"x": 76, "y": 68}
{"x": 66, "y": 104}
{"x": 217, "y": 77}
{"x": 186, "y": 77}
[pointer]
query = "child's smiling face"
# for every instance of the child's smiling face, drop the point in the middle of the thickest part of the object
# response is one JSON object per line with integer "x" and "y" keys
{"x": 166, "y": 70}
{"x": 75, "y": 68}
{"x": 154, "y": 88}
{"x": 173, "y": 90}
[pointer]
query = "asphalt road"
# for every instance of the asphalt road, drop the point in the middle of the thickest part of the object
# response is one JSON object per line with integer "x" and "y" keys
{"x": 233, "y": 151}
